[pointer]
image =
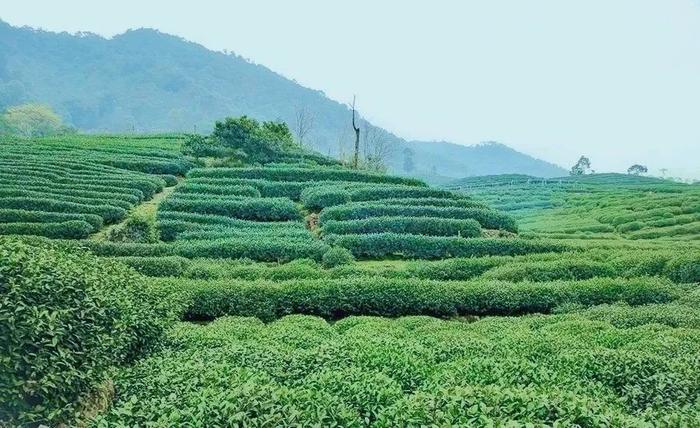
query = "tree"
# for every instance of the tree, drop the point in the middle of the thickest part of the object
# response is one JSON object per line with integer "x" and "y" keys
{"x": 408, "y": 164}
{"x": 663, "y": 171}
{"x": 31, "y": 120}
{"x": 637, "y": 169}
{"x": 355, "y": 128}
{"x": 377, "y": 147}
{"x": 247, "y": 138}
{"x": 304, "y": 123}
{"x": 582, "y": 166}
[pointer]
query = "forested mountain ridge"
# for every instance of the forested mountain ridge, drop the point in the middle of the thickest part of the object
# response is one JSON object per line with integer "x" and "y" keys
{"x": 147, "y": 81}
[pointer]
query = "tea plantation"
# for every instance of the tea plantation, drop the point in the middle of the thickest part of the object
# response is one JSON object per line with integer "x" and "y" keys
{"x": 143, "y": 287}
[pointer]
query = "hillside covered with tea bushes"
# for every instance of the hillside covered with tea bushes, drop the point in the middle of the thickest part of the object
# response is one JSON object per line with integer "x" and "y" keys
{"x": 144, "y": 286}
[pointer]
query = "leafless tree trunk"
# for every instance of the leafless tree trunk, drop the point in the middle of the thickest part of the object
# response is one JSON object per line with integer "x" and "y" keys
{"x": 377, "y": 147}
{"x": 357, "y": 136}
{"x": 304, "y": 123}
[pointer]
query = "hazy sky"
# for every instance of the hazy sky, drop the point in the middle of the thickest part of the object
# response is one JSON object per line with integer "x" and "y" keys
{"x": 617, "y": 80}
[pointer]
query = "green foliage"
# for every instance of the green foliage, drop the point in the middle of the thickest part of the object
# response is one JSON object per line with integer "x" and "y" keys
{"x": 317, "y": 198}
{"x": 378, "y": 245}
{"x": 293, "y": 173}
{"x": 31, "y": 120}
{"x": 70, "y": 229}
{"x": 262, "y": 209}
{"x": 156, "y": 266}
{"x": 581, "y": 167}
{"x": 337, "y": 298}
{"x": 136, "y": 228}
{"x": 431, "y": 226}
{"x": 335, "y": 257}
{"x": 414, "y": 371}
{"x": 110, "y": 214}
{"x": 65, "y": 319}
{"x": 564, "y": 269}
{"x": 489, "y": 219}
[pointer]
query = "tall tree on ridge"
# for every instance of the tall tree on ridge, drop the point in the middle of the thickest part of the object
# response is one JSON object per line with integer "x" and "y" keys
{"x": 357, "y": 136}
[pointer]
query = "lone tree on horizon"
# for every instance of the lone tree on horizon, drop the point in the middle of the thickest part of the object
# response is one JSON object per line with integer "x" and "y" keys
{"x": 582, "y": 166}
{"x": 303, "y": 123}
{"x": 637, "y": 169}
{"x": 356, "y": 128}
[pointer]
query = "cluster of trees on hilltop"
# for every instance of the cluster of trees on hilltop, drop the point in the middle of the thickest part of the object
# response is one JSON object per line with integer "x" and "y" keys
{"x": 32, "y": 120}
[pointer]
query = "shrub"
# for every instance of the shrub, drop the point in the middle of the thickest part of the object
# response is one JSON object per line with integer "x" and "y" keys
{"x": 432, "y": 226}
{"x": 71, "y": 229}
{"x": 317, "y": 198}
{"x": 378, "y": 245}
{"x": 335, "y": 257}
{"x": 337, "y": 298}
{"x": 137, "y": 228}
{"x": 170, "y": 180}
{"x": 219, "y": 189}
{"x": 156, "y": 266}
{"x": 24, "y": 216}
{"x": 684, "y": 269}
{"x": 263, "y": 209}
{"x": 303, "y": 174}
{"x": 565, "y": 269}
{"x": 110, "y": 214}
{"x": 67, "y": 319}
{"x": 487, "y": 218}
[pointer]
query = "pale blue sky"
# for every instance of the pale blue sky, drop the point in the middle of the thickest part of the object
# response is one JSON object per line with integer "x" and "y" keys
{"x": 617, "y": 80}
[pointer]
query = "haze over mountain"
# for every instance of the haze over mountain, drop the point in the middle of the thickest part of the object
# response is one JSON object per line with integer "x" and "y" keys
{"x": 147, "y": 81}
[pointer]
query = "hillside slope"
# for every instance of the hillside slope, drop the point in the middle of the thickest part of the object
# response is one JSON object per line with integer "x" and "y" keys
{"x": 144, "y": 80}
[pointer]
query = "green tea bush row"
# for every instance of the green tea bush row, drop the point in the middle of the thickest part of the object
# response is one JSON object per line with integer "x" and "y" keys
{"x": 212, "y": 189}
{"x": 24, "y": 216}
{"x": 317, "y": 198}
{"x": 71, "y": 229}
{"x": 303, "y": 174}
{"x": 262, "y": 209}
{"x": 6, "y": 193}
{"x": 83, "y": 193}
{"x": 109, "y": 213}
{"x": 267, "y": 189}
{"x": 338, "y": 298}
{"x": 268, "y": 249}
{"x": 115, "y": 192}
{"x": 564, "y": 269}
{"x": 561, "y": 370}
{"x": 161, "y": 266}
{"x": 171, "y": 224}
{"x": 378, "y": 245}
{"x": 489, "y": 219}
{"x": 67, "y": 318}
{"x": 145, "y": 187}
{"x": 466, "y": 228}
{"x": 245, "y": 233}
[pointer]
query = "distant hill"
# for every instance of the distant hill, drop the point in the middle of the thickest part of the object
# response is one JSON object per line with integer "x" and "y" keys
{"x": 147, "y": 81}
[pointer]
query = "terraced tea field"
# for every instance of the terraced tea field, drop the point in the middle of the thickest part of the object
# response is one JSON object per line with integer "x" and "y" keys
{"x": 306, "y": 293}
{"x": 601, "y": 206}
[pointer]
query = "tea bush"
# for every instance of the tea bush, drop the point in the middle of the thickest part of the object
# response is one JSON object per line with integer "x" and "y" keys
{"x": 487, "y": 218}
{"x": 378, "y": 245}
{"x": 431, "y": 226}
{"x": 261, "y": 209}
{"x": 561, "y": 370}
{"x": 71, "y": 229}
{"x": 337, "y": 298}
{"x": 336, "y": 257}
{"x": 65, "y": 319}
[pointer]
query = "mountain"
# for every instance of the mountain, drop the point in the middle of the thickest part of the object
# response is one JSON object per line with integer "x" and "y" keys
{"x": 147, "y": 81}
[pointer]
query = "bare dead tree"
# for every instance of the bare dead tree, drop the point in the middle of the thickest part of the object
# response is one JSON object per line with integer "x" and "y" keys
{"x": 356, "y": 128}
{"x": 377, "y": 147}
{"x": 304, "y": 123}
